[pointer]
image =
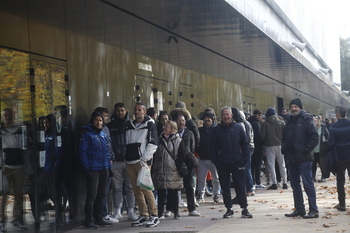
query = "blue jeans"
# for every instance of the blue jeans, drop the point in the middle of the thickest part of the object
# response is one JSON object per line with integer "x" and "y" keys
{"x": 248, "y": 173}
{"x": 303, "y": 169}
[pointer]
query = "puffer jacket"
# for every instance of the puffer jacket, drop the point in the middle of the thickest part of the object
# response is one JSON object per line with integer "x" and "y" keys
{"x": 239, "y": 117}
{"x": 203, "y": 149}
{"x": 93, "y": 149}
{"x": 300, "y": 137}
{"x": 141, "y": 141}
{"x": 117, "y": 136}
{"x": 271, "y": 131}
{"x": 190, "y": 124}
{"x": 164, "y": 169}
{"x": 229, "y": 144}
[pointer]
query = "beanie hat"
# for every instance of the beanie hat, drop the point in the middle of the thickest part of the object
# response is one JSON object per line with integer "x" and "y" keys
{"x": 94, "y": 115}
{"x": 297, "y": 102}
{"x": 270, "y": 112}
{"x": 180, "y": 104}
{"x": 208, "y": 114}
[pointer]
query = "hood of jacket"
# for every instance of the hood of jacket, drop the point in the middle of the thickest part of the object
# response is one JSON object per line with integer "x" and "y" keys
{"x": 272, "y": 119}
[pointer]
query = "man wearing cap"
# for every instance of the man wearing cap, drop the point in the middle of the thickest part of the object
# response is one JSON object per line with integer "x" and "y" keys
{"x": 300, "y": 137}
{"x": 205, "y": 164}
{"x": 271, "y": 133}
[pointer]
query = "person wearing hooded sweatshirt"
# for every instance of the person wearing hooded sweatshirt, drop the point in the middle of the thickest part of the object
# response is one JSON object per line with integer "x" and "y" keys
{"x": 271, "y": 134}
{"x": 141, "y": 142}
{"x": 94, "y": 157}
{"x": 120, "y": 175}
{"x": 239, "y": 117}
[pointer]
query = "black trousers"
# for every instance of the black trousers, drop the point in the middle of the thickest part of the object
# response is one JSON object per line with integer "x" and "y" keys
{"x": 340, "y": 170}
{"x": 172, "y": 202}
{"x": 96, "y": 191}
{"x": 189, "y": 186}
{"x": 257, "y": 159}
{"x": 238, "y": 177}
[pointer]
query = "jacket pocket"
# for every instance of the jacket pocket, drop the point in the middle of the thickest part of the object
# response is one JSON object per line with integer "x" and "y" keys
{"x": 133, "y": 151}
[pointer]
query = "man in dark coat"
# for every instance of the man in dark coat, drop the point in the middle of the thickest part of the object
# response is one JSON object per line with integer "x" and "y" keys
{"x": 299, "y": 139}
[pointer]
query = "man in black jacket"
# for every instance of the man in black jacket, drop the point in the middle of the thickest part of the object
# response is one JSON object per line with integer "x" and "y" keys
{"x": 300, "y": 137}
{"x": 120, "y": 175}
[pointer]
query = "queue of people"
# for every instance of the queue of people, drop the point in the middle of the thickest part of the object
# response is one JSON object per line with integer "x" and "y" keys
{"x": 232, "y": 152}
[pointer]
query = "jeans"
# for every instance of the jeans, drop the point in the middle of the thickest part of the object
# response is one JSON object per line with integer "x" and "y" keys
{"x": 204, "y": 166}
{"x": 248, "y": 172}
{"x": 141, "y": 195}
{"x": 340, "y": 170}
{"x": 238, "y": 177}
{"x": 96, "y": 192}
{"x": 303, "y": 169}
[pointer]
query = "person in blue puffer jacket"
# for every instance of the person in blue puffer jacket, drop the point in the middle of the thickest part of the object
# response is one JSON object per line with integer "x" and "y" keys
{"x": 94, "y": 156}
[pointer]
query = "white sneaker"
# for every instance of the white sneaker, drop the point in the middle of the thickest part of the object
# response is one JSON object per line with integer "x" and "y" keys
{"x": 109, "y": 219}
{"x": 152, "y": 221}
{"x": 260, "y": 186}
{"x": 194, "y": 213}
{"x": 118, "y": 216}
{"x": 132, "y": 216}
{"x": 167, "y": 213}
{"x": 182, "y": 204}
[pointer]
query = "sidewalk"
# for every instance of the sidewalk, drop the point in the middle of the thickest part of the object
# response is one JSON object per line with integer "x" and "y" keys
{"x": 267, "y": 207}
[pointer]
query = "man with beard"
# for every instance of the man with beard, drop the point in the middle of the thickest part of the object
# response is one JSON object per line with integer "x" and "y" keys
{"x": 300, "y": 137}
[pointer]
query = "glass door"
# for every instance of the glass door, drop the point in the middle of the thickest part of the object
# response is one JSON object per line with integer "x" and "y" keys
{"x": 34, "y": 146}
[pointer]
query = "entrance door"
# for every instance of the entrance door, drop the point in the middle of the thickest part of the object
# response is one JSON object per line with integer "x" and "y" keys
{"x": 33, "y": 140}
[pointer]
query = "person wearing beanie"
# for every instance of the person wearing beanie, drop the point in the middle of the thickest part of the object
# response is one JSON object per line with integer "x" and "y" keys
{"x": 299, "y": 139}
{"x": 93, "y": 146}
{"x": 271, "y": 134}
{"x": 205, "y": 164}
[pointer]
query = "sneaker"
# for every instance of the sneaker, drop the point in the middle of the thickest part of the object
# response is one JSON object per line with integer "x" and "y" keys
{"x": 132, "y": 216}
{"x": 19, "y": 225}
{"x": 340, "y": 208}
{"x": 109, "y": 219}
{"x": 260, "y": 186}
{"x": 200, "y": 200}
{"x": 194, "y": 213}
{"x": 196, "y": 203}
{"x": 229, "y": 214}
{"x": 285, "y": 186}
{"x": 161, "y": 217}
{"x": 2, "y": 227}
{"x": 152, "y": 221}
{"x": 207, "y": 193}
{"x": 118, "y": 216}
{"x": 246, "y": 214}
{"x": 139, "y": 222}
{"x": 90, "y": 225}
{"x": 272, "y": 187}
{"x": 322, "y": 180}
{"x": 250, "y": 193}
{"x": 103, "y": 223}
{"x": 167, "y": 213}
{"x": 216, "y": 198}
{"x": 182, "y": 204}
{"x": 177, "y": 216}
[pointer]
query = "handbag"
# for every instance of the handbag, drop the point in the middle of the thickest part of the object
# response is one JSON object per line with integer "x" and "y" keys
{"x": 144, "y": 179}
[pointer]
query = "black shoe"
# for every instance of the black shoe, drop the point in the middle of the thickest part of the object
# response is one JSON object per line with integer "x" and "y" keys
{"x": 216, "y": 198}
{"x": 340, "y": 207}
{"x": 19, "y": 225}
{"x": 207, "y": 193}
{"x": 235, "y": 201}
{"x": 272, "y": 187}
{"x": 285, "y": 186}
{"x": 322, "y": 180}
{"x": 103, "y": 223}
{"x": 246, "y": 214}
{"x": 295, "y": 213}
{"x": 229, "y": 214}
{"x": 311, "y": 214}
{"x": 177, "y": 216}
{"x": 90, "y": 225}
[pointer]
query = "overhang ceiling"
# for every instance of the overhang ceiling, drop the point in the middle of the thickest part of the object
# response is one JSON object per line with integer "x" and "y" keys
{"x": 213, "y": 38}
